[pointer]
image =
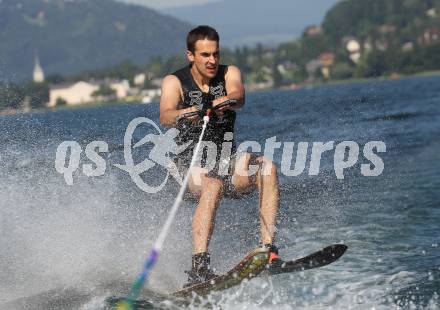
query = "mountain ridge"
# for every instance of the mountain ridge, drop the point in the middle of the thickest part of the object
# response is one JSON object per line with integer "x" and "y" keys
{"x": 73, "y": 36}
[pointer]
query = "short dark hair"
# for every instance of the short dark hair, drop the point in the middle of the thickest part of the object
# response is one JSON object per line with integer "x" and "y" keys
{"x": 200, "y": 33}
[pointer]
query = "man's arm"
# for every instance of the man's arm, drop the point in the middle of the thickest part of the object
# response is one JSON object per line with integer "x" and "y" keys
{"x": 234, "y": 88}
{"x": 169, "y": 101}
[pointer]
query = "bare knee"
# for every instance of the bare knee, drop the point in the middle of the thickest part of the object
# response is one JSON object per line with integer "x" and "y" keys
{"x": 242, "y": 179}
{"x": 268, "y": 168}
{"x": 211, "y": 189}
{"x": 211, "y": 185}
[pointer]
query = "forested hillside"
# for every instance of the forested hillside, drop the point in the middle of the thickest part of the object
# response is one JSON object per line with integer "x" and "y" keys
{"x": 78, "y": 35}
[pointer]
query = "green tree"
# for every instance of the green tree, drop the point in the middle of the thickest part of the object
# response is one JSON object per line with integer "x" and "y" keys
{"x": 11, "y": 96}
{"x": 105, "y": 91}
{"x": 38, "y": 94}
{"x": 276, "y": 75}
{"x": 60, "y": 102}
{"x": 227, "y": 57}
{"x": 259, "y": 53}
{"x": 341, "y": 71}
{"x": 174, "y": 63}
{"x": 125, "y": 71}
{"x": 241, "y": 56}
{"x": 155, "y": 66}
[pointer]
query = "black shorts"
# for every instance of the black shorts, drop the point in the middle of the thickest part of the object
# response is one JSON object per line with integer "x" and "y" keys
{"x": 228, "y": 187}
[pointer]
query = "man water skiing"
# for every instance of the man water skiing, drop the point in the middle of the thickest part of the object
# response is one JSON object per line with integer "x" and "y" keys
{"x": 206, "y": 83}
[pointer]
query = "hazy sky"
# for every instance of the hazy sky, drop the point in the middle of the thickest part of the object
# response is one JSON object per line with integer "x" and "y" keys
{"x": 247, "y": 22}
{"x": 161, "y": 4}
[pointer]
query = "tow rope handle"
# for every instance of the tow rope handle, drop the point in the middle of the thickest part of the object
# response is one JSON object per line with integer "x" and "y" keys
{"x": 208, "y": 109}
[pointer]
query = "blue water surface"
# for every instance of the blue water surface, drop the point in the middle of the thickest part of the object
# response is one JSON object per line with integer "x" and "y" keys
{"x": 71, "y": 246}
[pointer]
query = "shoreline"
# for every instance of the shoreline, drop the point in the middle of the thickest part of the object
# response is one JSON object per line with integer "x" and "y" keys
{"x": 393, "y": 77}
{"x": 8, "y": 112}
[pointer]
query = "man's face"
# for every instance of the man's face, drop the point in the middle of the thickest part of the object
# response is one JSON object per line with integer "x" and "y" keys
{"x": 206, "y": 57}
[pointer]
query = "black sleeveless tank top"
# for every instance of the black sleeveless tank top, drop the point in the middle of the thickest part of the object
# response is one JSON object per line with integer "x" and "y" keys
{"x": 194, "y": 96}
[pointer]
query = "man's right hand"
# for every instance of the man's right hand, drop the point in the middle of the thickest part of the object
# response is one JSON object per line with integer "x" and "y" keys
{"x": 193, "y": 114}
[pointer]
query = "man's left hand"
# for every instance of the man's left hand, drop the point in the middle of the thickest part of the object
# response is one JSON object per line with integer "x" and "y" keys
{"x": 218, "y": 101}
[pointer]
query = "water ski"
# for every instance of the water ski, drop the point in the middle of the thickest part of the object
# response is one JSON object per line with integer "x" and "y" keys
{"x": 255, "y": 263}
{"x": 317, "y": 259}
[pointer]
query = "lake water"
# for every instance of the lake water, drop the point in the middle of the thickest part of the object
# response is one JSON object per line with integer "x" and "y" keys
{"x": 70, "y": 247}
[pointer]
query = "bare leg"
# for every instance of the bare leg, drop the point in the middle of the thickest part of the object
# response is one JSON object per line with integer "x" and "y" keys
{"x": 267, "y": 183}
{"x": 204, "y": 216}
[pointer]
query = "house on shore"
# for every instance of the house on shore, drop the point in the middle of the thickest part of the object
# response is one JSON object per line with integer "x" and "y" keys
{"x": 72, "y": 93}
{"x": 84, "y": 92}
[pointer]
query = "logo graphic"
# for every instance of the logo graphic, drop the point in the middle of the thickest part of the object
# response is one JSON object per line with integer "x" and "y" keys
{"x": 217, "y": 91}
{"x": 196, "y": 98}
{"x": 345, "y": 154}
{"x": 164, "y": 146}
